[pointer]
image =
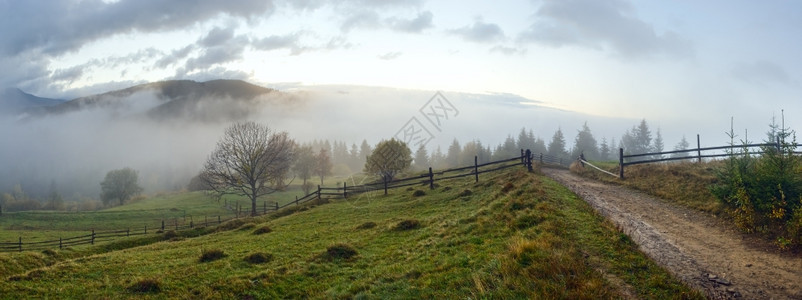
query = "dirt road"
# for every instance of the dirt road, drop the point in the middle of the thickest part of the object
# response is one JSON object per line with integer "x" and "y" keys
{"x": 701, "y": 250}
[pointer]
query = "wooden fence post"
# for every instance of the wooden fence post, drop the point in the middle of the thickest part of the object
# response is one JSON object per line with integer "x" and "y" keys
{"x": 529, "y": 160}
{"x": 522, "y": 156}
{"x": 218, "y": 220}
{"x": 60, "y": 244}
{"x": 20, "y": 244}
{"x": 176, "y": 223}
{"x": 276, "y": 205}
{"x": 128, "y": 232}
{"x": 541, "y": 158}
{"x": 146, "y": 229}
{"x": 162, "y": 225}
{"x": 93, "y": 237}
{"x": 431, "y": 179}
{"x": 296, "y": 200}
{"x": 385, "y": 184}
{"x": 345, "y": 190}
{"x": 318, "y": 194}
{"x": 621, "y": 163}
{"x": 264, "y": 207}
{"x": 476, "y": 167}
{"x": 698, "y": 149}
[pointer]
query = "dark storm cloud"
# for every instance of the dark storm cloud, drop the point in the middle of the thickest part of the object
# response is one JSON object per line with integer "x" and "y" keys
{"x": 601, "y": 25}
{"x": 480, "y": 32}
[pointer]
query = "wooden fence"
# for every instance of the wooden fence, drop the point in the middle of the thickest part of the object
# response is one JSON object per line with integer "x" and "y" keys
{"x": 424, "y": 179}
{"x": 697, "y": 153}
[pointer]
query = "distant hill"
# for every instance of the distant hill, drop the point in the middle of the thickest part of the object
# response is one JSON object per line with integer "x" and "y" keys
{"x": 178, "y": 99}
{"x": 15, "y": 101}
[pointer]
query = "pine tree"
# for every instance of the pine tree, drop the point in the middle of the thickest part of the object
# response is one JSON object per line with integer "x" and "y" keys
{"x": 585, "y": 144}
{"x": 682, "y": 145}
{"x": 604, "y": 150}
{"x": 421, "y": 161}
{"x": 557, "y": 145}
{"x": 658, "y": 144}
{"x": 452, "y": 156}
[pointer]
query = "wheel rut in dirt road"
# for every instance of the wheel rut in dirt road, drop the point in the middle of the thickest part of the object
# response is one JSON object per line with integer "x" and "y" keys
{"x": 699, "y": 249}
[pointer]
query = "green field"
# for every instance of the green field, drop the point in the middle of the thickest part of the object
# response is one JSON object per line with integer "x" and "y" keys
{"x": 512, "y": 235}
{"x": 151, "y": 211}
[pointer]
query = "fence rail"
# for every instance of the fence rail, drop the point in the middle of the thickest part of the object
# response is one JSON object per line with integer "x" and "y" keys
{"x": 688, "y": 154}
{"x": 344, "y": 191}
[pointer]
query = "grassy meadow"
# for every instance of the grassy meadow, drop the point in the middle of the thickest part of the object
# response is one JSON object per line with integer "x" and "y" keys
{"x": 512, "y": 235}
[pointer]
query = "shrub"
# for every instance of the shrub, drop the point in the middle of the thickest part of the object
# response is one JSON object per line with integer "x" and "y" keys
{"x": 170, "y": 234}
{"x": 262, "y": 230}
{"x": 259, "y": 258}
{"x": 145, "y": 286}
{"x": 418, "y": 193}
{"x": 763, "y": 191}
{"x": 465, "y": 193}
{"x": 211, "y": 255}
{"x": 407, "y": 225}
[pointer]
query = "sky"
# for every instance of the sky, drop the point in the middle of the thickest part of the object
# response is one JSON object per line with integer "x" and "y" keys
{"x": 685, "y": 66}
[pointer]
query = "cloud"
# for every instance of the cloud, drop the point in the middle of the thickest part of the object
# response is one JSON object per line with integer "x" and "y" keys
{"x": 294, "y": 43}
{"x": 605, "y": 25}
{"x": 508, "y": 50}
{"x": 362, "y": 19}
{"x": 174, "y": 56}
{"x": 416, "y": 25}
{"x": 390, "y": 55}
{"x": 274, "y": 42}
{"x": 63, "y": 26}
{"x": 221, "y": 46}
{"x": 69, "y": 74}
{"x": 761, "y": 72}
{"x": 480, "y": 32}
{"x": 217, "y": 36}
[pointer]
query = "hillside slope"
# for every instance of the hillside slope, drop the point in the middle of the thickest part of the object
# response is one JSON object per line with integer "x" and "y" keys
{"x": 177, "y": 99}
{"x": 512, "y": 235}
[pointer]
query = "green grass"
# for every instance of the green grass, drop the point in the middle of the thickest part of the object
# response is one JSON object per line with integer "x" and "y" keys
{"x": 534, "y": 239}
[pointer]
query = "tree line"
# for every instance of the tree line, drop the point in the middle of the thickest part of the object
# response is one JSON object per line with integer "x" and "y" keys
{"x": 321, "y": 158}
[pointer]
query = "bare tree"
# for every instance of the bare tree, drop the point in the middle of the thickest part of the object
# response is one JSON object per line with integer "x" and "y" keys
{"x": 250, "y": 160}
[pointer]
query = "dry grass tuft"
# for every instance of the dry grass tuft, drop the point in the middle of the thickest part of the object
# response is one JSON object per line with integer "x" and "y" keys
{"x": 340, "y": 251}
{"x": 145, "y": 286}
{"x": 263, "y": 230}
{"x": 211, "y": 255}
{"x": 366, "y": 225}
{"x": 407, "y": 225}
{"x": 259, "y": 258}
